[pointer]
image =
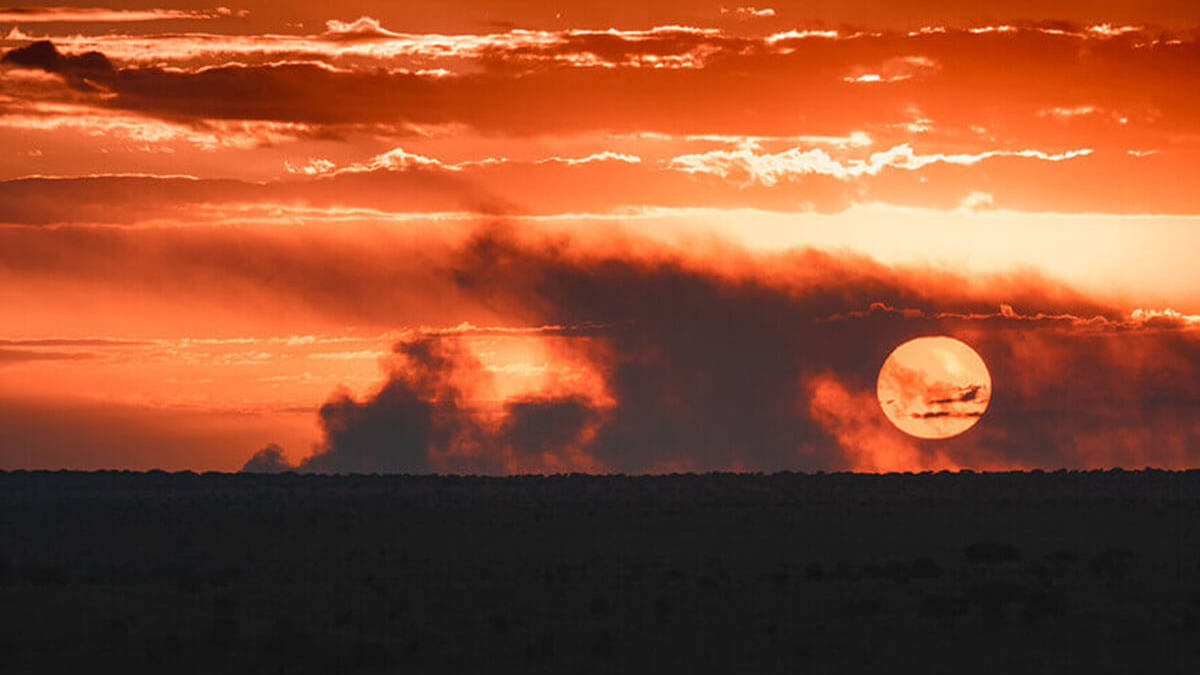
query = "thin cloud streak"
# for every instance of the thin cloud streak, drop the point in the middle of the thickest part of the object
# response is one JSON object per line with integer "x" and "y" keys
{"x": 21, "y": 15}
{"x": 769, "y": 169}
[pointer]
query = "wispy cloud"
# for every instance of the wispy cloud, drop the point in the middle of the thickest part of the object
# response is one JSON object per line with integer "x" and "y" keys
{"x": 747, "y": 166}
{"x": 749, "y": 12}
{"x": 105, "y": 15}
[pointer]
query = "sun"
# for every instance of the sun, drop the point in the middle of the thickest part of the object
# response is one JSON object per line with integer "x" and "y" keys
{"x": 934, "y": 387}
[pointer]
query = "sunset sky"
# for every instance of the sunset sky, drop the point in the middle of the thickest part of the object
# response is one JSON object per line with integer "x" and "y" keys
{"x": 527, "y": 237}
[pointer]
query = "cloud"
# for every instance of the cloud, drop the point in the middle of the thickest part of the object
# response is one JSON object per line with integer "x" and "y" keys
{"x": 685, "y": 80}
{"x": 977, "y": 200}
{"x": 365, "y": 39}
{"x": 104, "y": 15}
{"x": 1061, "y": 113}
{"x": 72, "y": 342}
{"x": 711, "y": 367}
{"x": 749, "y": 12}
{"x": 747, "y": 166}
{"x": 1066, "y": 114}
{"x": 98, "y": 122}
{"x": 604, "y": 156}
{"x": 869, "y": 441}
{"x": 417, "y": 418}
{"x": 401, "y": 184}
{"x": 1165, "y": 318}
{"x": 364, "y": 28}
{"x": 797, "y": 138}
{"x": 911, "y": 142}
{"x": 268, "y": 460}
{"x": 896, "y": 69}
{"x": 14, "y": 356}
{"x": 1136, "y": 319}
{"x": 45, "y": 56}
{"x": 705, "y": 357}
{"x": 315, "y": 166}
{"x": 398, "y": 159}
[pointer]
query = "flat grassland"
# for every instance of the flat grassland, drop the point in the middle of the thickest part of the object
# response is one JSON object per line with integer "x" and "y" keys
{"x": 1055, "y": 572}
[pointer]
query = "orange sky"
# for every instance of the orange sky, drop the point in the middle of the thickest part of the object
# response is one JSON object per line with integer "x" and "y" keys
{"x": 517, "y": 236}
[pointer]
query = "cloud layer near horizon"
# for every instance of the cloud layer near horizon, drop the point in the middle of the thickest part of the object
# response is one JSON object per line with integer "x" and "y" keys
{"x": 754, "y": 366}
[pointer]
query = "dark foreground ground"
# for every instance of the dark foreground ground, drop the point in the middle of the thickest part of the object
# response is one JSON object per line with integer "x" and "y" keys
{"x": 938, "y": 573}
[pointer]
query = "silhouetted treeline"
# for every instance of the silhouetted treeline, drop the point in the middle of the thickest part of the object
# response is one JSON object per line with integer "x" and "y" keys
{"x": 727, "y": 573}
